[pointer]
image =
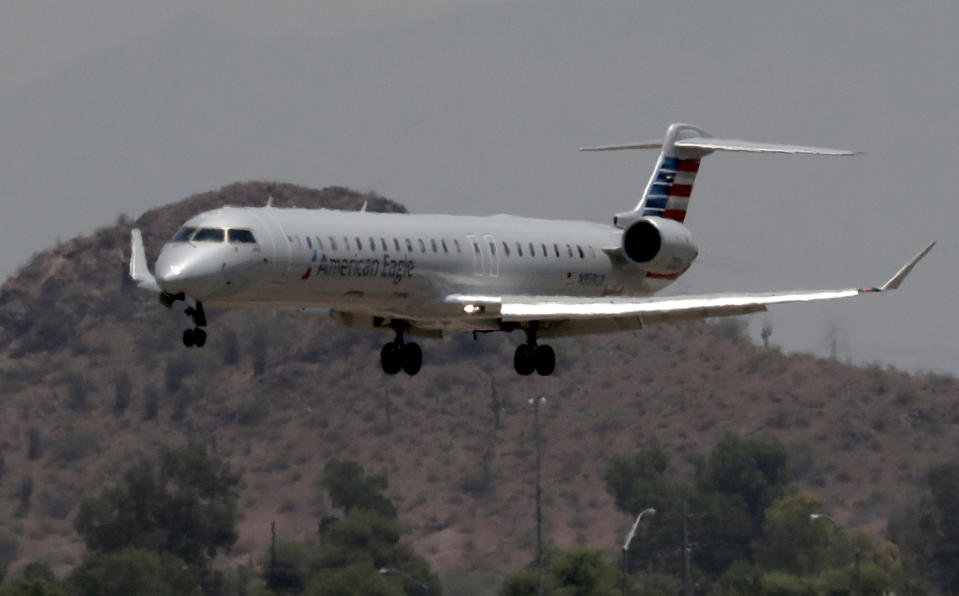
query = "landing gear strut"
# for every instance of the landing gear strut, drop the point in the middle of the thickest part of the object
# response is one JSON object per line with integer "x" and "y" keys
{"x": 531, "y": 357}
{"x": 398, "y": 355}
{"x": 195, "y": 336}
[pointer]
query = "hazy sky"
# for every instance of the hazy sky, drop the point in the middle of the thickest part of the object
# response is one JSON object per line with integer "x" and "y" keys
{"x": 477, "y": 107}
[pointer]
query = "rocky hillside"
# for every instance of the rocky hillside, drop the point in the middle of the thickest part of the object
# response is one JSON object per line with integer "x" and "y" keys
{"x": 93, "y": 374}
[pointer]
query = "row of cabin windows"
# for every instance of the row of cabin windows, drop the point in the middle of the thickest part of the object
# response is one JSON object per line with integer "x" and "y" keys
{"x": 541, "y": 250}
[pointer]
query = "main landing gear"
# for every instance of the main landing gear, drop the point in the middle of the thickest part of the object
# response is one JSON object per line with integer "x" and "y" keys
{"x": 530, "y": 356}
{"x": 398, "y": 355}
{"x": 195, "y": 336}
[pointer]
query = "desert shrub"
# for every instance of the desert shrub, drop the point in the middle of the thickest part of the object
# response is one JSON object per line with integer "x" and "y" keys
{"x": 34, "y": 443}
{"x": 56, "y": 505}
{"x": 122, "y": 388}
{"x": 9, "y": 546}
{"x": 151, "y": 403}
{"x": 72, "y": 444}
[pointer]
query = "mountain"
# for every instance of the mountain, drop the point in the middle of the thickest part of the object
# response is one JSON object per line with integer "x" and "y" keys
{"x": 93, "y": 375}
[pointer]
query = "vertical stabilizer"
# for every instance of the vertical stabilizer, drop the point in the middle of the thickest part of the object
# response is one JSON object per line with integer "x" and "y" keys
{"x": 668, "y": 190}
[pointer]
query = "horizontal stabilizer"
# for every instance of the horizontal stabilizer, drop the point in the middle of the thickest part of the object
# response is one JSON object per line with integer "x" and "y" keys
{"x": 641, "y": 145}
{"x": 714, "y": 144}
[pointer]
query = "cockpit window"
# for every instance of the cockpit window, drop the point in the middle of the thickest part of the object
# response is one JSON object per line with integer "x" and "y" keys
{"x": 208, "y": 235}
{"x": 183, "y": 234}
{"x": 243, "y": 236}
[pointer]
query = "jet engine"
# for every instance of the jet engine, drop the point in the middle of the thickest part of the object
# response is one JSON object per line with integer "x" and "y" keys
{"x": 659, "y": 245}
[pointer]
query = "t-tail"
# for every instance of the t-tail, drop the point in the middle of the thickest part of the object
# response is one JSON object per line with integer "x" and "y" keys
{"x": 671, "y": 184}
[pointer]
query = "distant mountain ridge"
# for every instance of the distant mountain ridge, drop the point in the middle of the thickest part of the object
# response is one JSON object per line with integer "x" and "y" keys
{"x": 92, "y": 375}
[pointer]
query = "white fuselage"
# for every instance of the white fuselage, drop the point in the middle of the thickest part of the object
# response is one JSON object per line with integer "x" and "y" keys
{"x": 393, "y": 265}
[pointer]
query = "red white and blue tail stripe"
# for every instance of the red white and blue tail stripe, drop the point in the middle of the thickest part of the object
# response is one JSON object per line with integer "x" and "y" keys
{"x": 667, "y": 194}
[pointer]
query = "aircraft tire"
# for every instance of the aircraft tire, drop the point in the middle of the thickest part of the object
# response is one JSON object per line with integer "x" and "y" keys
{"x": 545, "y": 360}
{"x": 390, "y": 358}
{"x": 412, "y": 358}
{"x": 188, "y": 338}
{"x": 199, "y": 337}
{"x": 523, "y": 360}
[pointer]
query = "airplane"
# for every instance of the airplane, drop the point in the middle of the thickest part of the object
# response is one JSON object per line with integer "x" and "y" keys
{"x": 424, "y": 275}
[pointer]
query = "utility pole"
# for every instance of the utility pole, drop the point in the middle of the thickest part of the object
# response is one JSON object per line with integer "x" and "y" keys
{"x": 535, "y": 402}
{"x": 687, "y": 576}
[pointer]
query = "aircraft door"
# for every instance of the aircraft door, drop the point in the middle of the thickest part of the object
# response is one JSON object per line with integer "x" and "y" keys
{"x": 277, "y": 246}
{"x": 478, "y": 261}
{"x": 489, "y": 247}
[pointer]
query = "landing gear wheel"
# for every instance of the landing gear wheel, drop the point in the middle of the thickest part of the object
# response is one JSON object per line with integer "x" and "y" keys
{"x": 199, "y": 338}
{"x": 188, "y": 338}
{"x": 391, "y": 358}
{"x": 412, "y": 358}
{"x": 545, "y": 360}
{"x": 523, "y": 359}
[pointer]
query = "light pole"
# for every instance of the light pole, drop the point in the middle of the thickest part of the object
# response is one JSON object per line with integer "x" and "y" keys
{"x": 857, "y": 552}
{"x": 629, "y": 538}
{"x": 535, "y": 402}
{"x": 385, "y": 570}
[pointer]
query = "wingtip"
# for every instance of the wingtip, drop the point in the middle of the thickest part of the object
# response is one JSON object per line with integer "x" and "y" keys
{"x": 896, "y": 280}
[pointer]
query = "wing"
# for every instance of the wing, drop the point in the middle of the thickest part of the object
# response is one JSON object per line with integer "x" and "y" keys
{"x": 568, "y": 315}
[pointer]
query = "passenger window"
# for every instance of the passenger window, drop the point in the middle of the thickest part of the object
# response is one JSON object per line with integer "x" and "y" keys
{"x": 592, "y": 252}
{"x": 457, "y": 243}
{"x": 545, "y": 252}
{"x": 319, "y": 243}
{"x": 433, "y": 244}
{"x": 556, "y": 248}
{"x": 422, "y": 244}
{"x": 309, "y": 243}
{"x": 241, "y": 236}
{"x": 476, "y": 248}
{"x": 532, "y": 250}
{"x": 183, "y": 234}
{"x": 445, "y": 250}
{"x": 582, "y": 255}
{"x": 372, "y": 244}
{"x": 409, "y": 245}
{"x": 396, "y": 243}
{"x": 492, "y": 248}
{"x": 570, "y": 250}
{"x": 332, "y": 243}
{"x": 208, "y": 235}
{"x": 346, "y": 243}
{"x": 505, "y": 248}
{"x": 383, "y": 244}
{"x": 359, "y": 243}
{"x": 519, "y": 249}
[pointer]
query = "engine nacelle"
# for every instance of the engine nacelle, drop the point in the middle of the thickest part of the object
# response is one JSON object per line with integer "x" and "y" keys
{"x": 659, "y": 245}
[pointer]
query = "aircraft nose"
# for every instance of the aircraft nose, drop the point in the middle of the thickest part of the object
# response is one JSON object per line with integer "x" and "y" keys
{"x": 183, "y": 269}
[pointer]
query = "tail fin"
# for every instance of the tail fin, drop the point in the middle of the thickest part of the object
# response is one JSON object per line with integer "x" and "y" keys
{"x": 668, "y": 190}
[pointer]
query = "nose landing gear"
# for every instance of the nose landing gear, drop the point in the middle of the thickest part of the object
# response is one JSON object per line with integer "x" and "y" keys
{"x": 531, "y": 357}
{"x": 195, "y": 336}
{"x": 398, "y": 355}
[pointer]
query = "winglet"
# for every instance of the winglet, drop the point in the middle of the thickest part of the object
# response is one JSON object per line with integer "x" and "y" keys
{"x": 895, "y": 281}
{"x": 139, "y": 270}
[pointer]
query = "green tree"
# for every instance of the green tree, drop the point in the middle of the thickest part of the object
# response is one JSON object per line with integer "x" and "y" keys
{"x": 754, "y": 469}
{"x": 134, "y": 571}
{"x": 794, "y": 543}
{"x": 184, "y": 503}
{"x": 349, "y": 486}
{"x": 575, "y": 571}
{"x": 928, "y": 530}
{"x": 9, "y": 546}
